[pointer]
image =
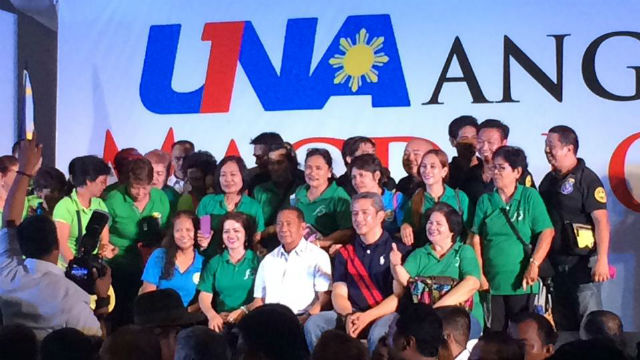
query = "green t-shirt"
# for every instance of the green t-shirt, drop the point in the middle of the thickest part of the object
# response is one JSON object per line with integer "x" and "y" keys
{"x": 271, "y": 199}
{"x": 124, "y": 222}
{"x": 67, "y": 210}
{"x": 215, "y": 206}
{"x": 231, "y": 284}
{"x": 172, "y": 196}
{"x": 458, "y": 263}
{"x": 185, "y": 203}
{"x": 330, "y": 212}
{"x": 456, "y": 198}
{"x": 503, "y": 255}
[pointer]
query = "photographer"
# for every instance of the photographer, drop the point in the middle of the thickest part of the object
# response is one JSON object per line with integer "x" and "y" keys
{"x": 33, "y": 290}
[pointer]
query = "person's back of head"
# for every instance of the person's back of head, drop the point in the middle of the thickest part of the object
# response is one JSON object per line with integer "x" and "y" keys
{"x": 456, "y": 324}
{"x": 497, "y": 346}
{"x": 272, "y": 332}
{"x": 201, "y": 343}
{"x": 602, "y": 324}
{"x": 592, "y": 349}
{"x": 418, "y": 330}
{"x": 131, "y": 343}
{"x": 37, "y": 237}
{"x": 18, "y": 342}
{"x": 337, "y": 345}
{"x": 67, "y": 344}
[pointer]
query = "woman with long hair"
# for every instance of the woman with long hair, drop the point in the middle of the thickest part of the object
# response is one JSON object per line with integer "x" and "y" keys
{"x": 176, "y": 264}
{"x": 434, "y": 171}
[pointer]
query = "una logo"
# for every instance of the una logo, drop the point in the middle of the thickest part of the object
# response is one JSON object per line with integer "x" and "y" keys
{"x": 362, "y": 59}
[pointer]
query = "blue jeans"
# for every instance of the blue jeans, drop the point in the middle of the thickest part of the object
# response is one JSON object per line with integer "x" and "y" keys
{"x": 326, "y": 320}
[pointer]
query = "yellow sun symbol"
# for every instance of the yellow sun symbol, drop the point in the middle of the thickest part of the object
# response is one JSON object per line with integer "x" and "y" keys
{"x": 358, "y": 60}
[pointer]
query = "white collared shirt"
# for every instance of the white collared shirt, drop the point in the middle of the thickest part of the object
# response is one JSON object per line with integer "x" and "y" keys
{"x": 36, "y": 293}
{"x": 176, "y": 183}
{"x": 293, "y": 279}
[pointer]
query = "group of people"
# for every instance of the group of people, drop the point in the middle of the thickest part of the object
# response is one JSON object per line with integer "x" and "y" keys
{"x": 215, "y": 242}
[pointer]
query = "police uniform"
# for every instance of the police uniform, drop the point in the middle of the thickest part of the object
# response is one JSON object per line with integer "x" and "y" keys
{"x": 572, "y": 198}
{"x": 474, "y": 185}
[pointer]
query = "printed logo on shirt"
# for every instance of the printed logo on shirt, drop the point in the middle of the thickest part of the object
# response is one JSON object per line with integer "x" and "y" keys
{"x": 382, "y": 260}
{"x": 248, "y": 274}
{"x": 196, "y": 278}
{"x": 567, "y": 186}
{"x": 600, "y": 195}
{"x": 321, "y": 210}
{"x": 528, "y": 181}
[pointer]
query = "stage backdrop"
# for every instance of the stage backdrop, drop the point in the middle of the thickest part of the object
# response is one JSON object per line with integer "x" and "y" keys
{"x": 220, "y": 72}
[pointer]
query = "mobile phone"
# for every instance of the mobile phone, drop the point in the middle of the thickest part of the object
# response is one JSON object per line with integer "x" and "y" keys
{"x": 205, "y": 225}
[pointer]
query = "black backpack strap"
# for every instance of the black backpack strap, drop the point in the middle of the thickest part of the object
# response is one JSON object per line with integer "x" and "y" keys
{"x": 527, "y": 246}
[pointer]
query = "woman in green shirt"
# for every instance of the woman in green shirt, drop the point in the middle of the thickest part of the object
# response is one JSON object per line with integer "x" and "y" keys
{"x": 326, "y": 206}
{"x": 88, "y": 174}
{"x": 230, "y": 184}
{"x": 226, "y": 285}
{"x": 444, "y": 256}
{"x": 434, "y": 171}
{"x": 130, "y": 205}
{"x": 504, "y": 219}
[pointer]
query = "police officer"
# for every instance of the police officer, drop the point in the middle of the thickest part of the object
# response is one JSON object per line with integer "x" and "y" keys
{"x": 577, "y": 204}
{"x": 492, "y": 134}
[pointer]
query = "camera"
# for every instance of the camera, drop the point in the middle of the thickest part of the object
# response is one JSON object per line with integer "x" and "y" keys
{"x": 80, "y": 268}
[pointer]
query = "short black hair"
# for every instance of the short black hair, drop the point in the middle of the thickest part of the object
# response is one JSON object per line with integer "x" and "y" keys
{"x": 334, "y": 344}
{"x": 183, "y": 143}
{"x": 6, "y": 162}
{"x": 351, "y": 145}
{"x": 453, "y": 217}
{"x": 460, "y": 122}
{"x": 422, "y": 323}
{"x": 87, "y": 168}
{"x": 546, "y": 332}
{"x": 456, "y": 320}
{"x": 567, "y": 136}
{"x": 299, "y": 213}
{"x": 324, "y": 153}
{"x": 131, "y": 342}
{"x": 18, "y": 342}
{"x": 603, "y": 324}
{"x": 267, "y": 138}
{"x": 495, "y": 124}
{"x": 369, "y": 163}
{"x": 513, "y": 155}
{"x": 201, "y": 160}
{"x": 282, "y": 342}
{"x": 500, "y": 345}
{"x": 243, "y": 173}
{"x": 200, "y": 343}
{"x": 37, "y": 237}
{"x": 67, "y": 344}
{"x": 48, "y": 177}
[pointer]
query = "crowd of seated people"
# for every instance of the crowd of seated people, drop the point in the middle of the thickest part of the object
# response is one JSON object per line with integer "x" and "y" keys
{"x": 463, "y": 258}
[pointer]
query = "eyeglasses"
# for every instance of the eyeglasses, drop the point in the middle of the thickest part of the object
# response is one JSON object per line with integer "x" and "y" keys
{"x": 499, "y": 168}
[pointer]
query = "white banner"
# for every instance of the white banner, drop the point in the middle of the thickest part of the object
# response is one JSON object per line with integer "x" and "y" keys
{"x": 217, "y": 71}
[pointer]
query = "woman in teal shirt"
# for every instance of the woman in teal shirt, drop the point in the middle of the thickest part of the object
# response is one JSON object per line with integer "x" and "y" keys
{"x": 228, "y": 278}
{"x": 444, "y": 256}
{"x": 434, "y": 171}
{"x": 230, "y": 185}
{"x": 510, "y": 273}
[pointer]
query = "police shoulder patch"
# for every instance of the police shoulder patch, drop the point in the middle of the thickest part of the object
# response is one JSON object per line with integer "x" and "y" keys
{"x": 600, "y": 195}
